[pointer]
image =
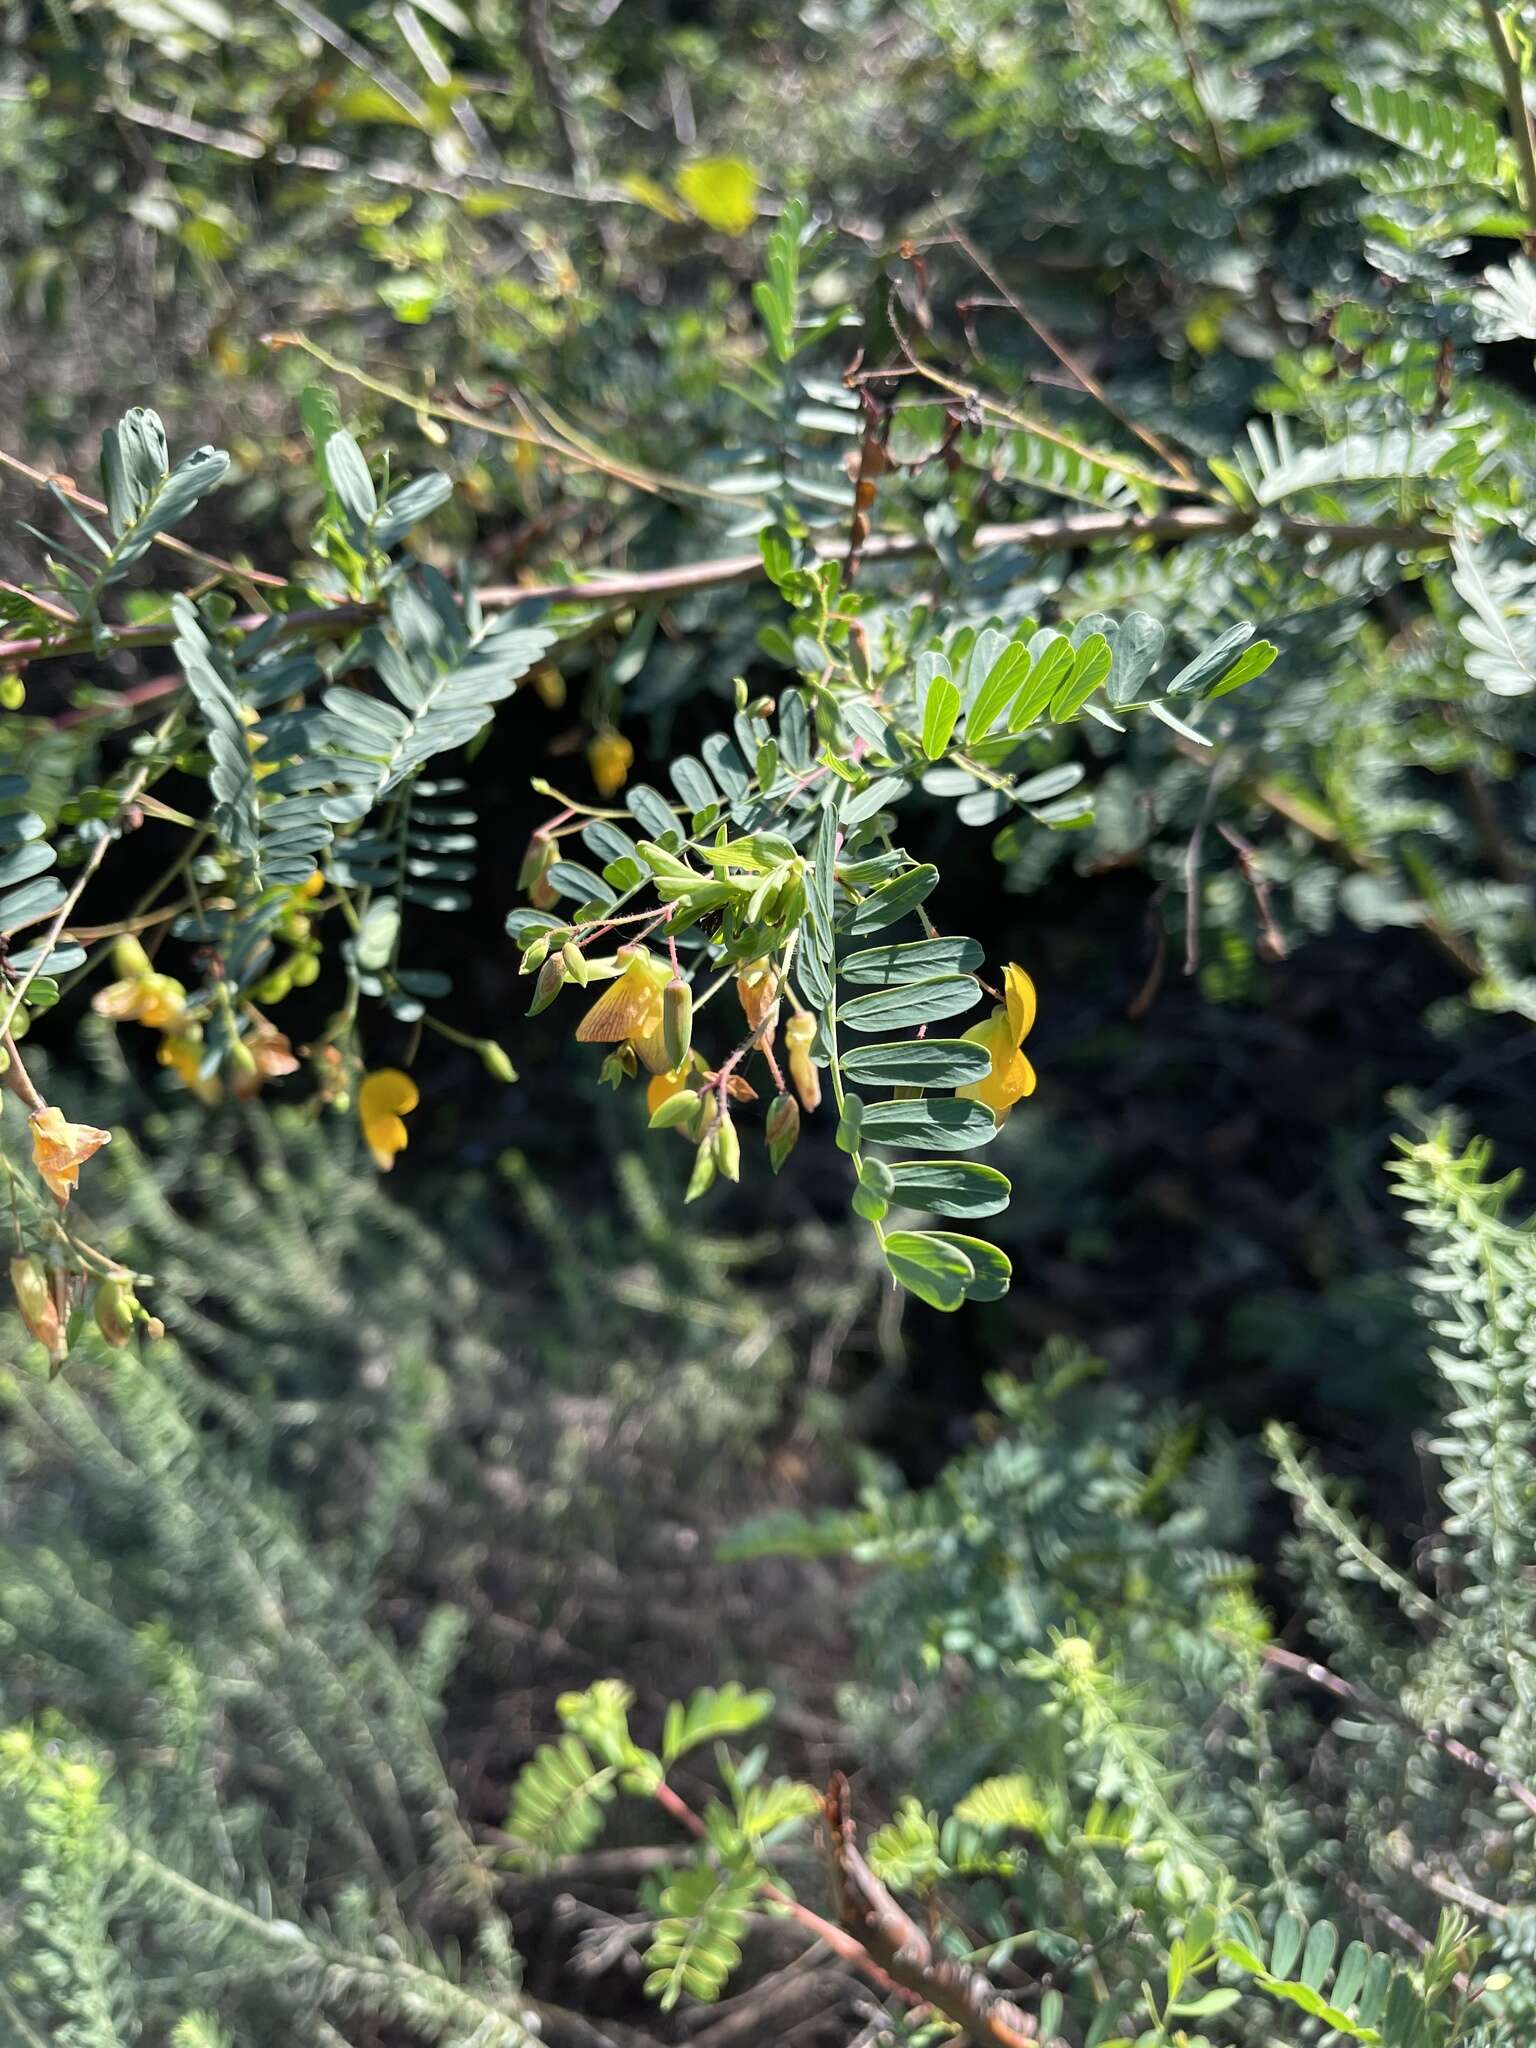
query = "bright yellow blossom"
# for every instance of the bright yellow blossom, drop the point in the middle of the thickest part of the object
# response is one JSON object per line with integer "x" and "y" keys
{"x": 1012, "y": 1076}
{"x": 631, "y": 1010}
{"x": 60, "y": 1149}
{"x": 383, "y": 1101}
{"x": 610, "y": 757}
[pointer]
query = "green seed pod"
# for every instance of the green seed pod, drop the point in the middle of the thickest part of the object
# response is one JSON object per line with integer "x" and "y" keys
{"x": 677, "y": 1021}
{"x": 782, "y": 1129}
{"x": 575, "y": 962}
{"x": 728, "y": 1148}
{"x": 549, "y": 984}
{"x": 304, "y": 970}
{"x": 678, "y": 1112}
{"x": 702, "y": 1178}
{"x": 13, "y": 692}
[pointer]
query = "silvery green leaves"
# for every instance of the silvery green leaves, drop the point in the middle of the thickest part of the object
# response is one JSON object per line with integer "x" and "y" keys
{"x": 1499, "y": 624}
{"x": 29, "y": 892}
{"x": 275, "y": 834}
{"x": 442, "y": 683}
{"x": 145, "y": 495}
{"x": 911, "y": 986}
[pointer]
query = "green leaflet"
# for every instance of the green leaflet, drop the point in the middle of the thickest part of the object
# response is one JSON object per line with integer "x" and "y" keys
{"x": 916, "y": 1063}
{"x": 1090, "y": 666}
{"x": 929, "y": 1267}
{"x": 941, "y": 707}
{"x": 920, "y": 960}
{"x": 911, "y": 1003}
{"x": 1210, "y": 661}
{"x": 891, "y": 901}
{"x": 1003, "y": 681}
{"x": 991, "y": 1270}
{"x": 940, "y": 1124}
{"x": 950, "y": 1187}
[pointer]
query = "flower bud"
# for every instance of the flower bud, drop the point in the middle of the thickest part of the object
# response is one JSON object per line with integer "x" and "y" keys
{"x": 538, "y": 858}
{"x": 799, "y": 1037}
{"x": 129, "y": 959}
{"x": 536, "y": 954}
{"x": 728, "y": 1149}
{"x": 32, "y": 1286}
{"x": 782, "y": 1129}
{"x": 13, "y": 691}
{"x": 575, "y": 963}
{"x": 677, "y": 1020}
{"x": 547, "y": 987}
{"x": 496, "y": 1063}
{"x": 116, "y": 1310}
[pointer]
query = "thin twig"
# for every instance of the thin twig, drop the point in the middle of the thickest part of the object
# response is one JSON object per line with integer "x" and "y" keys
{"x": 958, "y": 1990}
{"x": 368, "y": 61}
{"x": 1516, "y": 107}
{"x": 1070, "y": 362}
{"x": 1381, "y": 1710}
{"x": 72, "y": 491}
{"x": 1069, "y": 530}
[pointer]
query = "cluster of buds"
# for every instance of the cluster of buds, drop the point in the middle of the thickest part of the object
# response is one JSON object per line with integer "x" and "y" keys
{"x": 52, "y": 1301}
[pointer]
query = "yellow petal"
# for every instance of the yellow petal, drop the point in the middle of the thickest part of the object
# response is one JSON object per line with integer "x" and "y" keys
{"x": 383, "y": 1100}
{"x": 1019, "y": 996}
{"x": 610, "y": 757}
{"x": 629, "y": 1008}
{"x": 1011, "y": 1077}
{"x": 664, "y": 1086}
{"x": 183, "y": 1054}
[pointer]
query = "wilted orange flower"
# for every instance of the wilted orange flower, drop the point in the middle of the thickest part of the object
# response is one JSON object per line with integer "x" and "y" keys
{"x": 271, "y": 1058}
{"x": 757, "y": 989}
{"x": 1012, "y": 1076}
{"x": 630, "y": 1011}
{"x": 60, "y": 1149}
{"x": 37, "y": 1304}
{"x": 383, "y": 1101}
{"x": 610, "y": 757}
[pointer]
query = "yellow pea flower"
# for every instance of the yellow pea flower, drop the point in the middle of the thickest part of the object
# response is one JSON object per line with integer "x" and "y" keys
{"x": 1012, "y": 1077}
{"x": 182, "y": 1052}
{"x": 60, "y": 1149}
{"x": 140, "y": 995}
{"x": 631, "y": 1010}
{"x": 383, "y": 1101}
{"x": 610, "y": 758}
